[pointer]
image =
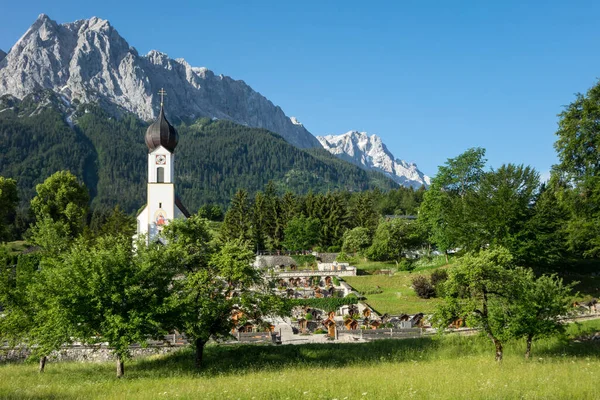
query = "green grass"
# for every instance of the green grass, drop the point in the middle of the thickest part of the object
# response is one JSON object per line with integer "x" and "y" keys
{"x": 397, "y": 296}
{"x": 450, "y": 367}
{"x": 369, "y": 267}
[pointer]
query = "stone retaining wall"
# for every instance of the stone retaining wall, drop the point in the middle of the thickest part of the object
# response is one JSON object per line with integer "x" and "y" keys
{"x": 86, "y": 354}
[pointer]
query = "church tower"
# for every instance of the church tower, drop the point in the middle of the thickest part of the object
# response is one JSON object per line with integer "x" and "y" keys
{"x": 162, "y": 204}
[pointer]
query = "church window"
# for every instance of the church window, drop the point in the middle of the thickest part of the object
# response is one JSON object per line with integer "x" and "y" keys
{"x": 160, "y": 175}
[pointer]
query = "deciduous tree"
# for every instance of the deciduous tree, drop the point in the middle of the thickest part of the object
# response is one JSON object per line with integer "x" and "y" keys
{"x": 578, "y": 147}
{"x": 302, "y": 233}
{"x": 107, "y": 292}
{"x": 480, "y": 289}
{"x": 211, "y": 284}
{"x": 356, "y": 240}
{"x": 445, "y": 213}
{"x": 541, "y": 303}
{"x": 62, "y": 199}
{"x": 393, "y": 239}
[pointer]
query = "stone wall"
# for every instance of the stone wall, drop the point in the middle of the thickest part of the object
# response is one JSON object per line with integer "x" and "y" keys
{"x": 86, "y": 354}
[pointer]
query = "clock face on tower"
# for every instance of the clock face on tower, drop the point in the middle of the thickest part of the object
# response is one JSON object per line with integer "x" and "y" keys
{"x": 161, "y": 159}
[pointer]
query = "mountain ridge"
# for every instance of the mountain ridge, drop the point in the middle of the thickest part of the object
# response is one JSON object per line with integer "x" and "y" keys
{"x": 42, "y": 134}
{"x": 88, "y": 61}
{"x": 370, "y": 153}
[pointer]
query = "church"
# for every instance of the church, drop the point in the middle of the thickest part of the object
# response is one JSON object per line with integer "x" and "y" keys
{"x": 162, "y": 205}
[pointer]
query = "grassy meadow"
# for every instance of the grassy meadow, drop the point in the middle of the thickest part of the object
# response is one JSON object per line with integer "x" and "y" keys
{"x": 397, "y": 296}
{"x": 450, "y": 367}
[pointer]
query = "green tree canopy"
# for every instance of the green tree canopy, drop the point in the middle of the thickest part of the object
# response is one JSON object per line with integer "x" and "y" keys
{"x": 8, "y": 204}
{"x": 237, "y": 222}
{"x": 62, "y": 199}
{"x": 541, "y": 304}
{"x": 211, "y": 284}
{"x": 302, "y": 233}
{"x": 479, "y": 289}
{"x": 107, "y": 292}
{"x": 445, "y": 213}
{"x": 357, "y": 240}
{"x": 578, "y": 147}
{"x": 393, "y": 239}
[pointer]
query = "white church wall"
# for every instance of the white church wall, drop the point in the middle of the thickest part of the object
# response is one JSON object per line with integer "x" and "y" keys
{"x": 142, "y": 221}
{"x": 167, "y": 166}
{"x": 160, "y": 207}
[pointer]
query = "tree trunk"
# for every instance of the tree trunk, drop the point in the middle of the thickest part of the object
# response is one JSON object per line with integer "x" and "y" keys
{"x": 528, "y": 351}
{"x": 199, "y": 352}
{"x": 446, "y": 254}
{"x": 120, "y": 367}
{"x": 43, "y": 360}
{"x": 498, "y": 345}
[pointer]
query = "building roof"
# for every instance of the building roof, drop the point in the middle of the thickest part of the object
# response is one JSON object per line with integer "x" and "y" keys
{"x": 161, "y": 133}
{"x": 181, "y": 207}
{"x": 272, "y": 261}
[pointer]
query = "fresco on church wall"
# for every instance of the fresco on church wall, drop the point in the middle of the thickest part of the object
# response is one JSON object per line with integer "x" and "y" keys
{"x": 160, "y": 218}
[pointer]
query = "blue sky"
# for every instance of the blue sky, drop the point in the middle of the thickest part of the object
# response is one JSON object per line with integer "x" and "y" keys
{"x": 431, "y": 78}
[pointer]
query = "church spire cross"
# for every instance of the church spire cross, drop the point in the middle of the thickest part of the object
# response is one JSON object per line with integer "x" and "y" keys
{"x": 162, "y": 93}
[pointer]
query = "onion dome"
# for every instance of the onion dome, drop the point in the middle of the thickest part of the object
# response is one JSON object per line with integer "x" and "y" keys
{"x": 161, "y": 133}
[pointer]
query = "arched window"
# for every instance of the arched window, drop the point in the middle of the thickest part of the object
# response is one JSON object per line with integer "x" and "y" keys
{"x": 160, "y": 175}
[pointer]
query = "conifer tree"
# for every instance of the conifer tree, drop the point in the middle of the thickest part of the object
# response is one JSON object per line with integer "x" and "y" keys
{"x": 259, "y": 224}
{"x": 236, "y": 225}
{"x": 334, "y": 219}
{"x": 273, "y": 226}
{"x": 363, "y": 211}
{"x": 8, "y": 203}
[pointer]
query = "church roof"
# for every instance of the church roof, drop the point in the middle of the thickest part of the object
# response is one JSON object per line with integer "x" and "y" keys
{"x": 181, "y": 207}
{"x": 161, "y": 133}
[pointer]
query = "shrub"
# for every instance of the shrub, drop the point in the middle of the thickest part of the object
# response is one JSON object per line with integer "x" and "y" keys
{"x": 303, "y": 260}
{"x": 343, "y": 257}
{"x": 308, "y": 316}
{"x": 336, "y": 281}
{"x": 334, "y": 249}
{"x": 371, "y": 290}
{"x": 319, "y": 331}
{"x": 438, "y": 276}
{"x": 423, "y": 287}
{"x": 406, "y": 265}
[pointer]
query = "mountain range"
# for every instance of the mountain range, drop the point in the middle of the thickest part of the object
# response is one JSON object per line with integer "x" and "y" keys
{"x": 370, "y": 153}
{"x": 88, "y": 61}
{"x": 66, "y": 70}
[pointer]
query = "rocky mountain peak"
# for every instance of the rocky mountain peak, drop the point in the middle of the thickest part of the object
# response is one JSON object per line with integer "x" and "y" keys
{"x": 2, "y": 55}
{"x": 89, "y": 61}
{"x": 369, "y": 152}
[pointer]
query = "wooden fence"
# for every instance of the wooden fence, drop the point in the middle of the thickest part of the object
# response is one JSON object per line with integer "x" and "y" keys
{"x": 391, "y": 333}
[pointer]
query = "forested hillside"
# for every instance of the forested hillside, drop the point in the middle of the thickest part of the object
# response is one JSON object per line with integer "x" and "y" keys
{"x": 213, "y": 158}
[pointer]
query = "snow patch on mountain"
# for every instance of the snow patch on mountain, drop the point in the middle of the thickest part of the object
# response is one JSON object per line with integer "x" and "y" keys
{"x": 370, "y": 153}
